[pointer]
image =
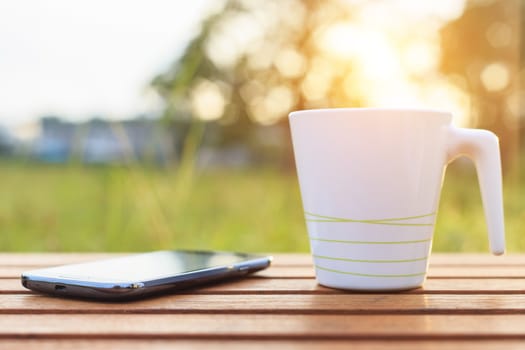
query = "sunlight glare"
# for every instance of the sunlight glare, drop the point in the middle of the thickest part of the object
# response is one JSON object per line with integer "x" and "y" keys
{"x": 420, "y": 57}
{"x": 516, "y": 104}
{"x": 227, "y": 43}
{"x": 371, "y": 50}
{"x": 268, "y": 109}
{"x": 495, "y": 76}
{"x": 317, "y": 83}
{"x": 290, "y": 63}
{"x": 349, "y": 40}
{"x": 208, "y": 100}
{"x": 394, "y": 63}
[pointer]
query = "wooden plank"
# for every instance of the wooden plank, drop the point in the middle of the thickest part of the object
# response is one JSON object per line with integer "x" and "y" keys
{"x": 310, "y": 286}
{"x": 11, "y": 286}
{"x": 51, "y": 259}
{"x": 438, "y": 259}
{"x": 455, "y": 271}
{"x": 434, "y": 272}
{"x": 265, "y": 326}
{"x": 485, "y": 259}
{"x": 445, "y": 259}
{"x": 275, "y": 304}
{"x": 272, "y": 272}
{"x": 308, "y": 272}
{"x": 301, "y": 259}
{"x": 285, "y": 308}
{"x": 477, "y": 272}
{"x": 156, "y": 344}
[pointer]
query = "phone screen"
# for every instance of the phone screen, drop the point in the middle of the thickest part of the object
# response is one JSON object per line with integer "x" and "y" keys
{"x": 144, "y": 267}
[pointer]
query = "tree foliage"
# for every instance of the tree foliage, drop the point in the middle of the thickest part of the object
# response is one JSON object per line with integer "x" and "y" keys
{"x": 255, "y": 61}
{"x": 481, "y": 52}
{"x": 263, "y": 58}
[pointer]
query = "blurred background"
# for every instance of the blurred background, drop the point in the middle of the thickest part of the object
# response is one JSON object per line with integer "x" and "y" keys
{"x": 158, "y": 124}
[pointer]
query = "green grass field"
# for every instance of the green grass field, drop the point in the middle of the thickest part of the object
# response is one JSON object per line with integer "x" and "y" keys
{"x": 77, "y": 208}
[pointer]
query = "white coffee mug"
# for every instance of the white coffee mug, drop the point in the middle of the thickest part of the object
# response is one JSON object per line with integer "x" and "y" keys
{"x": 370, "y": 182}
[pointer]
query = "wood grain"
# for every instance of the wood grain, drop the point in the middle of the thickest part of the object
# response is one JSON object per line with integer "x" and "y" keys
{"x": 279, "y": 303}
{"x": 469, "y": 301}
{"x": 255, "y": 344}
{"x": 308, "y": 271}
{"x": 266, "y": 326}
{"x": 255, "y": 285}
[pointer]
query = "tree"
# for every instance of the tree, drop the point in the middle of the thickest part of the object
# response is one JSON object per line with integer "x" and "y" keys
{"x": 255, "y": 61}
{"x": 481, "y": 51}
{"x": 251, "y": 64}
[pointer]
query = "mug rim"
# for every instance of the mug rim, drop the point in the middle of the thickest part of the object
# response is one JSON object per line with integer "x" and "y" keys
{"x": 353, "y": 110}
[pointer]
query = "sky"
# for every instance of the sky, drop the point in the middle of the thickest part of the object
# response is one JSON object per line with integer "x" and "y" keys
{"x": 79, "y": 59}
{"x": 95, "y": 58}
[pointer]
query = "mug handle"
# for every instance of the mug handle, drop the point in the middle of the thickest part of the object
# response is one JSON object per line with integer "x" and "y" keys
{"x": 482, "y": 147}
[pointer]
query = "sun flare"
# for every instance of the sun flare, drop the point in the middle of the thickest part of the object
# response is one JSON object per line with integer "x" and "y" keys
{"x": 391, "y": 69}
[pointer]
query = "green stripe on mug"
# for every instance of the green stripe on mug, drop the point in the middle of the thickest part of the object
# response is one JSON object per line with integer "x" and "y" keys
{"x": 388, "y": 221}
{"x": 371, "y": 261}
{"x": 368, "y": 274}
{"x": 368, "y": 242}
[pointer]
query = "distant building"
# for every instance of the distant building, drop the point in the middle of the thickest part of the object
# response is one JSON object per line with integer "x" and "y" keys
{"x": 101, "y": 141}
{"x": 6, "y": 142}
{"x": 54, "y": 144}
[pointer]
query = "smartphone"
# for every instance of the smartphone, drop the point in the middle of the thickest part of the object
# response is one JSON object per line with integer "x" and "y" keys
{"x": 141, "y": 275}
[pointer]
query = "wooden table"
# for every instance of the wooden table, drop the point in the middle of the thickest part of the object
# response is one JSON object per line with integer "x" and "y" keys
{"x": 468, "y": 302}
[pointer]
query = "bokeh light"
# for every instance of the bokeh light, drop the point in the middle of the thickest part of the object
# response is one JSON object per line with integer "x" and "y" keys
{"x": 208, "y": 100}
{"x": 495, "y": 76}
